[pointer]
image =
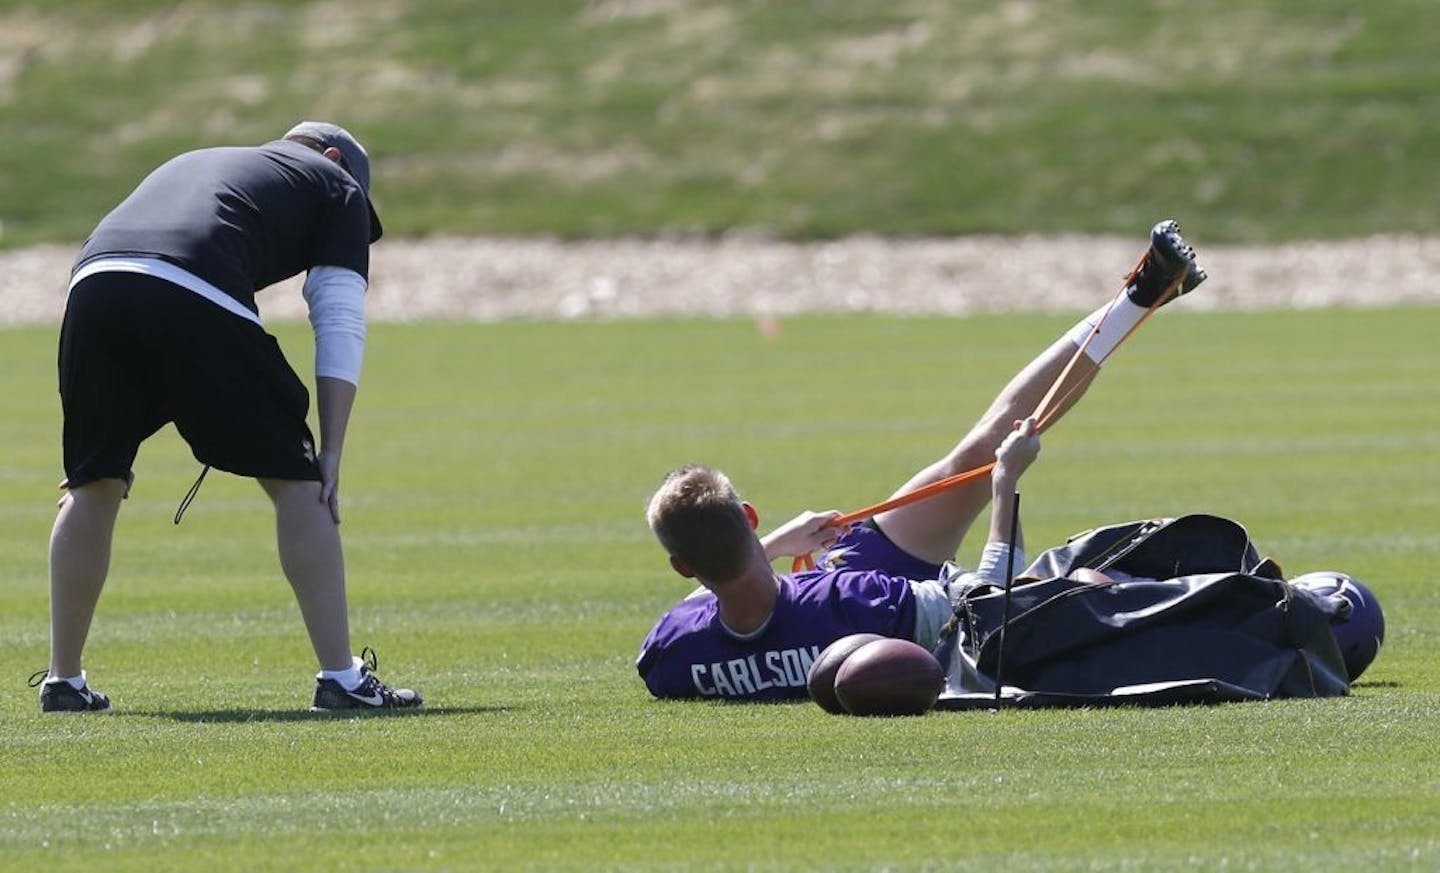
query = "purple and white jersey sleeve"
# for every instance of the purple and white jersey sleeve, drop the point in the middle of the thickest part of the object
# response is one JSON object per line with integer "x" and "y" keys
{"x": 690, "y": 652}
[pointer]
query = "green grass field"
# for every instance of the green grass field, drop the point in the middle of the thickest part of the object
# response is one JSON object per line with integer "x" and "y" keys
{"x": 499, "y": 561}
{"x": 1257, "y": 119}
{"x": 496, "y": 473}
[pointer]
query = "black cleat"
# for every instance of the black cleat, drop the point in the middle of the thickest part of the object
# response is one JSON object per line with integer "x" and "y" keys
{"x": 1166, "y": 270}
{"x": 57, "y": 695}
{"x": 370, "y": 694}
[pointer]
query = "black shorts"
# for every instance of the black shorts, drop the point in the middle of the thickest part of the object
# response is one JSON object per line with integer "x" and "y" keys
{"x": 137, "y": 352}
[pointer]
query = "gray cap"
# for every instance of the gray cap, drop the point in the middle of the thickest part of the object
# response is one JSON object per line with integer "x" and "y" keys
{"x": 352, "y": 153}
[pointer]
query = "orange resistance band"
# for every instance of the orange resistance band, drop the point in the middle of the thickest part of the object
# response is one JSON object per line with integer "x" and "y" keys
{"x": 1044, "y": 415}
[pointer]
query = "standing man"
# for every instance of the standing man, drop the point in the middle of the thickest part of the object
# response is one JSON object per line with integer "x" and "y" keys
{"x": 161, "y": 326}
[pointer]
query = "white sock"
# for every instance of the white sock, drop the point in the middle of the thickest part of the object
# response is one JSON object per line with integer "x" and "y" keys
{"x": 349, "y": 678}
{"x": 76, "y": 682}
{"x": 1115, "y": 320}
{"x": 994, "y": 559}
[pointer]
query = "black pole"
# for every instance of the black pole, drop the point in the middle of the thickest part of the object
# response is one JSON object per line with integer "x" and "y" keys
{"x": 1009, "y": 582}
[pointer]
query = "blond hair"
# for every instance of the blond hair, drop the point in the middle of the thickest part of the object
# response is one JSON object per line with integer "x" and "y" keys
{"x": 698, "y": 518}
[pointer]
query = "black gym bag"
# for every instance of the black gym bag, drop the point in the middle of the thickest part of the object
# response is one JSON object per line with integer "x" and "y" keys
{"x": 1210, "y": 621}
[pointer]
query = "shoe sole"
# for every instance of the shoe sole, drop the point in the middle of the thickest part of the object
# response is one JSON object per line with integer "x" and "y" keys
{"x": 1165, "y": 237}
{"x": 368, "y": 710}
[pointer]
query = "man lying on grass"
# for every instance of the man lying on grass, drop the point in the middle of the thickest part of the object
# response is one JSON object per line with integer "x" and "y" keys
{"x": 749, "y": 633}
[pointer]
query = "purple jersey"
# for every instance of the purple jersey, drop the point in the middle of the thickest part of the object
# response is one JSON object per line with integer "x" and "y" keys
{"x": 866, "y": 547}
{"x": 690, "y": 653}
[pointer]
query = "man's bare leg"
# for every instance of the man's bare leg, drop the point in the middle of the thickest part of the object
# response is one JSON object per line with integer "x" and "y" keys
{"x": 933, "y": 529}
{"x": 314, "y": 563}
{"x": 80, "y": 544}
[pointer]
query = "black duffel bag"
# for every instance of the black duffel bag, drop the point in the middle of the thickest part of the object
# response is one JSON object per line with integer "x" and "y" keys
{"x": 1193, "y": 615}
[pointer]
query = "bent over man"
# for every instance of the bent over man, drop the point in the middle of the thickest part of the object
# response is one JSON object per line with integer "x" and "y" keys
{"x": 749, "y": 633}
{"x": 161, "y": 326}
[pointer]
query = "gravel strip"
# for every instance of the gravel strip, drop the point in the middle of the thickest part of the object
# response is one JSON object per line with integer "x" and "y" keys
{"x": 491, "y": 279}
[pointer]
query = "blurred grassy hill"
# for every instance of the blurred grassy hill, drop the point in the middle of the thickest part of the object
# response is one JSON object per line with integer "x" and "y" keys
{"x": 1256, "y": 119}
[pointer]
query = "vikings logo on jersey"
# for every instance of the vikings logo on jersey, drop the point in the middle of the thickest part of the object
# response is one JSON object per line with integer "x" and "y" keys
{"x": 834, "y": 559}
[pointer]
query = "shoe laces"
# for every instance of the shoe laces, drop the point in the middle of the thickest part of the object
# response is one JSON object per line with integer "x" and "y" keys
{"x": 1133, "y": 277}
{"x": 371, "y": 684}
{"x": 37, "y": 677}
{"x": 369, "y": 661}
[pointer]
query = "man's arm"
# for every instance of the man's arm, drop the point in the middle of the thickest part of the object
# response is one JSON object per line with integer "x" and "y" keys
{"x": 334, "y": 399}
{"x": 1014, "y": 456}
{"x": 336, "y": 297}
{"x": 805, "y": 534}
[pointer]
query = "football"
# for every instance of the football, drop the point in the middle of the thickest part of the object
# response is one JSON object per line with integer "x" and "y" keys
{"x": 889, "y": 677}
{"x": 821, "y": 679}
